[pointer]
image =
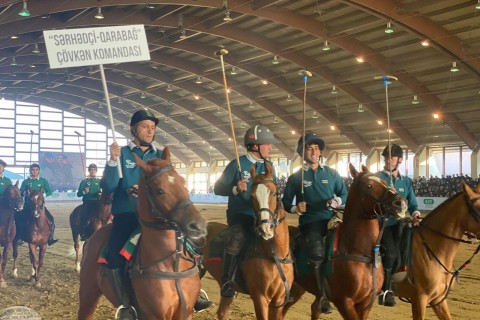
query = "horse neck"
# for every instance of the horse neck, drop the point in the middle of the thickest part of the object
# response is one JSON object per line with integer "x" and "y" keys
{"x": 281, "y": 239}
{"x": 358, "y": 233}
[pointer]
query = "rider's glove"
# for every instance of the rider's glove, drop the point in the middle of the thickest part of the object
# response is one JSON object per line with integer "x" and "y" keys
{"x": 334, "y": 203}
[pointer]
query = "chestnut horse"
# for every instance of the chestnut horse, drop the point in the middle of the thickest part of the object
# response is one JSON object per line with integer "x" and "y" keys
{"x": 434, "y": 246}
{"x": 357, "y": 272}
{"x": 267, "y": 268}
{"x": 164, "y": 276}
{"x": 98, "y": 216}
{"x": 10, "y": 203}
{"x": 37, "y": 233}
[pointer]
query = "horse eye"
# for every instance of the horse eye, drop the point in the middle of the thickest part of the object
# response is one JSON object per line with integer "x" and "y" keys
{"x": 160, "y": 192}
{"x": 369, "y": 186}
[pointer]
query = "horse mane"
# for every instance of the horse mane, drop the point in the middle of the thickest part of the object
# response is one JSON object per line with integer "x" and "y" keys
{"x": 440, "y": 206}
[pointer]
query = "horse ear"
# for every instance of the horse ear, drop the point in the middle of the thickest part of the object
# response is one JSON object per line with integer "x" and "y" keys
{"x": 468, "y": 191}
{"x": 139, "y": 161}
{"x": 365, "y": 169}
{"x": 166, "y": 154}
{"x": 16, "y": 184}
{"x": 353, "y": 171}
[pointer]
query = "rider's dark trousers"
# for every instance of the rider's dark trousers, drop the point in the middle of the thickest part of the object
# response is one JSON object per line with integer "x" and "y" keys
{"x": 122, "y": 227}
{"x": 391, "y": 247}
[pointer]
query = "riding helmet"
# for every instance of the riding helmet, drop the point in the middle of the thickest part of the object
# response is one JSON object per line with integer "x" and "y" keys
{"x": 92, "y": 166}
{"x": 34, "y": 165}
{"x": 259, "y": 134}
{"x": 141, "y": 115}
{"x": 310, "y": 138}
{"x": 397, "y": 151}
{"x": 3, "y": 163}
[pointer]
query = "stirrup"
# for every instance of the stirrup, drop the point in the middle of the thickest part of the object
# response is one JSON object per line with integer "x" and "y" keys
{"x": 324, "y": 305}
{"x": 127, "y": 309}
{"x": 387, "y": 298}
{"x": 228, "y": 290}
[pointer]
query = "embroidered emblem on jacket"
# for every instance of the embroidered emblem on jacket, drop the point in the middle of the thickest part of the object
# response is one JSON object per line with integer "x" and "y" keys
{"x": 130, "y": 164}
{"x": 324, "y": 181}
{"x": 307, "y": 183}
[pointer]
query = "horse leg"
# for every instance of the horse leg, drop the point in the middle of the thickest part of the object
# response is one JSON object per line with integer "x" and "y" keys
{"x": 89, "y": 296}
{"x": 260, "y": 304}
{"x": 33, "y": 260}
{"x": 347, "y": 309}
{"x": 315, "y": 309}
{"x": 15, "y": 256}
{"x": 419, "y": 306}
{"x": 41, "y": 254}
{"x": 223, "y": 312}
{"x": 296, "y": 292}
{"x": 76, "y": 246}
{"x": 3, "y": 263}
{"x": 441, "y": 310}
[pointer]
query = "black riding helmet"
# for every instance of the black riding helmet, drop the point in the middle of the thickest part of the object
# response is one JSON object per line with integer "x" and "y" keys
{"x": 141, "y": 115}
{"x": 397, "y": 151}
{"x": 258, "y": 134}
{"x": 34, "y": 165}
{"x": 92, "y": 166}
{"x": 3, "y": 163}
{"x": 310, "y": 138}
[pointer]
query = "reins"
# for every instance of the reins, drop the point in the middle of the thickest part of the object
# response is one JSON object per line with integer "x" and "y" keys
{"x": 183, "y": 245}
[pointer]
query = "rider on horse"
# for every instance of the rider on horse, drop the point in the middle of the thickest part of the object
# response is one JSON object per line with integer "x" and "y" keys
{"x": 240, "y": 213}
{"x": 392, "y": 234}
{"x": 124, "y": 205}
{"x": 4, "y": 181}
{"x": 35, "y": 182}
{"x": 323, "y": 190}
{"x": 90, "y": 192}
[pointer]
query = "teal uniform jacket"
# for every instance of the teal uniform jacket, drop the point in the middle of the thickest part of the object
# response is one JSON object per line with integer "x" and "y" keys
{"x": 319, "y": 186}
{"x": 111, "y": 181}
{"x": 35, "y": 184}
{"x": 404, "y": 186}
{"x": 94, "y": 190}
{"x": 4, "y": 183}
{"x": 240, "y": 204}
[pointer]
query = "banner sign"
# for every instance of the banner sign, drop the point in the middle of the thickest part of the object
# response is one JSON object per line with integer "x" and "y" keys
{"x": 94, "y": 46}
{"x": 429, "y": 203}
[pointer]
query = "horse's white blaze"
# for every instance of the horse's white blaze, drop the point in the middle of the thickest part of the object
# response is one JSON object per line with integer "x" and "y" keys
{"x": 171, "y": 179}
{"x": 263, "y": 193}
{"x": 375, "y": 178}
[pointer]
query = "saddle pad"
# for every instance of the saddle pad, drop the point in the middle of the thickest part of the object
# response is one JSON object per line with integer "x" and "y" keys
{"x": 127, "y": 250}
{"x": 217, "y": 246}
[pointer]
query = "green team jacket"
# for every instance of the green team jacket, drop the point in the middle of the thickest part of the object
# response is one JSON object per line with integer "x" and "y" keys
{"x": 4, "y": 183}
{"x": 111, "y": 182}
{"x": 94, "y": 190}
{"x": 35, "y": 184}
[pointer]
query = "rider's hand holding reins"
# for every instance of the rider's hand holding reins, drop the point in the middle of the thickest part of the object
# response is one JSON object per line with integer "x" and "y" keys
{"x": 334, "y": 203}
{"x": 416, "y": 217}
{"x": 300, "y": 208}
{"x": 241, "y": 186}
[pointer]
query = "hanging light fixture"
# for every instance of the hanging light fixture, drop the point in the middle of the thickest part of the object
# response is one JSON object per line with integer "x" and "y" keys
{"x": 243, "y": 124}
{"x": 99, "y": 14}
{"x": 199, "y": 80}
{"x": 36, "y": 50}
{"x": 214, "y": 129}
{"x": 275, "y": 60}
{"x": 275, "y": 120}
{"x": 82, "y": 109}
{"x": 314, "y": 115}
{"x": 436, "y": 115}
{"x": 190, "y": 116}
{"x": 188, "y": 133}
{"x": 227, "y": 17}
{"x": 233, "y": 71}
{"x": 389, "y": 28}
{"x": 334, "y": 90}
{"x": 13, "y": 62}
{"x": 380, "y": 122}
{"x": 332, "y": 127}
{"x": 24, "y": 11}
{"x": 478, "y": 5}
{"x": 325, "y": 47}
{"x": 251, "y": 105}
{"x": 415, "y": 100}
{"x": 143, "y": 95}
{"x": 289, "y": 98}
{"x": 360, "y": 108}
{"x": 454, "y": 67}
{"x": 14, "y": 36}
{"x": 120, "y": 100}
{"x": 183, "y": 34}
{"x": 169, "y": 88}
{"x": 219, "y": 110}
{"x": 426, "y": 42}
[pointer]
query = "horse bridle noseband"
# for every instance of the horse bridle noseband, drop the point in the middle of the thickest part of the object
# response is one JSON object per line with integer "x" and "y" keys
{"x": 274, "y": 220}
{"x": 382, "y": 206}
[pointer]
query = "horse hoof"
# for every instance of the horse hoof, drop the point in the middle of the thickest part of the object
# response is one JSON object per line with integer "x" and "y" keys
{"x": 3, "y": 284}
{"x": 77, "y": 268}
{"x": 15, "y": 274}
{"x": 38, "y": 285}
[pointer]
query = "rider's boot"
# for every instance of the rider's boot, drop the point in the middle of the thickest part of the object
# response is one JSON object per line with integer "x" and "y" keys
{"x": 52, "y": 240}
{"x": 125, "y": 311}
{"x": 323, "y": 303}
{"x": 386, "y": 297}
{"x": 228, "y": 280}
{"x": 203, "y": 303}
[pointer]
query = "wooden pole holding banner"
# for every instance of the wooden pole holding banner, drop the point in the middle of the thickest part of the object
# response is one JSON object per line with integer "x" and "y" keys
{"x": 110, "y": 115}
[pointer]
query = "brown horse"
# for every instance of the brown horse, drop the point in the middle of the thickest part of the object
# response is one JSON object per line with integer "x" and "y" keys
{"x": 434, "y": 246}
{"x": 164, "y": 277}
{"x": 267, "y": 268}
{"x": 357, "y": 272}
{"x": 98, "y": 215}
{"x": 37, "y": 232}
{"x": 10, "y": 203}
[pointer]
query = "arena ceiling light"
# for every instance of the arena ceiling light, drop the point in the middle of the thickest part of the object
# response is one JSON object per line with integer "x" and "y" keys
{"x": 326, "y": 47}
{"x": 389, "y": 28}
{"x": 334, "y": 90}
{"x": 99, "y": 14}
{"x": 275, "y": 60}
{"x": 24, "y": 11}
{"x": 415, "y": 100}
{"x": 36, "y": 49}
{"x": 360, "y": 108}
{"x": 454, "y": 67}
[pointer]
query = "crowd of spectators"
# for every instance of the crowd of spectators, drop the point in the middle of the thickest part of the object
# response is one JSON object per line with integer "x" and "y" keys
{"x": 446, "y": 186}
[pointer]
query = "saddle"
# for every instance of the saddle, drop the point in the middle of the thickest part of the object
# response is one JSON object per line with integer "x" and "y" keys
{"x": 405, "y": 251}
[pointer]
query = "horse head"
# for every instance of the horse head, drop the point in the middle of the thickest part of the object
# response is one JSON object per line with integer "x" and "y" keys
{"x": 266, "y": 202}
{"x": 472, "y": 196}
{"x": 165, "y": 201}
{"x": 13, "y": 197}
{"x": 376, "y": 198}
{"x": 36, "y": 202}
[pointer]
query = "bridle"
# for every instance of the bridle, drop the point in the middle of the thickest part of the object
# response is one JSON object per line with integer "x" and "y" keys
{"x": 382, "y": 204}
{"x": 274, "y": 217}
{"x": 39, "y": 204}
{"x": 183, "y": 244}
{"x": 274, "y": 220}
